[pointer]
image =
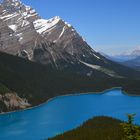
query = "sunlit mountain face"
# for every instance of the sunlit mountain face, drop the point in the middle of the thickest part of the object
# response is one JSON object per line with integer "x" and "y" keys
{"x": 55, "y": 42}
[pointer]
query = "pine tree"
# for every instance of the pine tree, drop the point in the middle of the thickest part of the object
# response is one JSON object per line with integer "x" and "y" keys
{"x": 131, "y": 131}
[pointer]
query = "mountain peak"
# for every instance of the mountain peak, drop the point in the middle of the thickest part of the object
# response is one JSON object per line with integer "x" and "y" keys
{"x": 57, "y": 17}
{"x": 12, "y": 5}
{"x": 12, "y": 2}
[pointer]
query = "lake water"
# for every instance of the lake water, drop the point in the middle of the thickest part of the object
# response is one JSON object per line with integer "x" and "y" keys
{"x": 65, "y": 113}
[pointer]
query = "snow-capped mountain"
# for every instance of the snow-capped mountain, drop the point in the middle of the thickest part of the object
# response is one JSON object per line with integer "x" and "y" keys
{"x": 24, "y": 33}
{"x": 30, "y": 35}
{"x": 55, "y": 42}
{"x": 125, "y": 56}
{"x": 129, "y": 58}
{"x": 136, "y": 52}
{"x": 132, "y": 53}
{"x": 134, "y": 63}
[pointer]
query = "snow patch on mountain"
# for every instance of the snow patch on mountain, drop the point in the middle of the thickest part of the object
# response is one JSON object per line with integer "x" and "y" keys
{"x": 96, "y": 67}
{"x": 42, "y": 25}
{"x": 102, "y": 69}
{"x": 13, "y": 27}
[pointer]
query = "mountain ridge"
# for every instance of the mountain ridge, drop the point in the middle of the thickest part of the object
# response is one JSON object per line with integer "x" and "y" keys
{"x": 44, "y": 41}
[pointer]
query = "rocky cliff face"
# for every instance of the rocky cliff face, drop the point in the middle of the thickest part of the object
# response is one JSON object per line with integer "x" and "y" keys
{"x": 11, "y": 102}
{"x": 46, "y": 41}
{"x": 18, "y": 20}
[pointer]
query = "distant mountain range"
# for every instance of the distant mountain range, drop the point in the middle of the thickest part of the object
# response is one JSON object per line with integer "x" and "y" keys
{"x": 57, "y": 60}
{"x": 131, "y": 59}
{"x": 134, "y": 63}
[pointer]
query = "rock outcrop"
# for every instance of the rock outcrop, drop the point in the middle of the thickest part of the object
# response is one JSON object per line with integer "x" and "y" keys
{"x": 11, "y": 102}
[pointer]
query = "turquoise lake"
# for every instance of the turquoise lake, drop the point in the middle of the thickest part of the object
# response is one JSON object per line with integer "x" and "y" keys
{"x": 65, "y": 113}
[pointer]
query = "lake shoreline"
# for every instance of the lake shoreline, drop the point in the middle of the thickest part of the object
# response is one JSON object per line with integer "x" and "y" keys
{"x": 74, "y": 94}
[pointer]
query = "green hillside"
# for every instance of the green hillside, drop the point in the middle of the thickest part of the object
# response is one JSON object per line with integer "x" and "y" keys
{"x": 99, "y": 128}
{"x": 103, "y": 128}
{"x": 3, "y": 89}
{"x": 38, "y": 83}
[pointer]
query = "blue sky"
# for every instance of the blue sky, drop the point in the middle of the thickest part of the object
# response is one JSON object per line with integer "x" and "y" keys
{"x": 110, "y": 26}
